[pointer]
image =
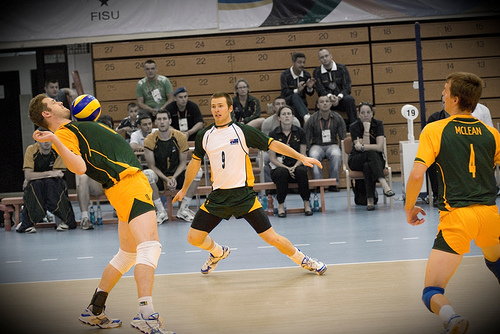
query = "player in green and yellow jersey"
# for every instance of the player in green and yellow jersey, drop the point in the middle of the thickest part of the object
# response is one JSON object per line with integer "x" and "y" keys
{"x": 465, "y": 151}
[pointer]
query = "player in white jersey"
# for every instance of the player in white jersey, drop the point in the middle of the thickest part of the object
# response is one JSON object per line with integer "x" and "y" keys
{"x": 227, "y": 144}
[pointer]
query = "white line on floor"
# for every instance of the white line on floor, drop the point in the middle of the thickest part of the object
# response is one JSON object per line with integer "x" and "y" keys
{"x": 374, "y": 240}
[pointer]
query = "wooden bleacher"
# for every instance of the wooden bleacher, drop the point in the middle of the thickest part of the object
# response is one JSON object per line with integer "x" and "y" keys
{"x": 381, "y": 59}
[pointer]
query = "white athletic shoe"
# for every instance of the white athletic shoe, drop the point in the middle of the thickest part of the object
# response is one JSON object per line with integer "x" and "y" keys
{"x": 185, "y": 215}
{"x": 456, "y": 325}
{"x": 86, "y": 224}
{"x": 152, "y": 325}
{"x": 102, "y": 320}
{"x": 313, "y": 265}
{"x": 212, "y": 261}
{"x": 30, "y": 229}
{"x": 161, "y": 217}
{"x": 62, "y": 227}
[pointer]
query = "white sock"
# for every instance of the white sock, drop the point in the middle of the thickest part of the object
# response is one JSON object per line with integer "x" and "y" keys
{"x": 298, "y": 257}
{"x": 216, "y": 250}
{"x": 159, "y": 205}
{"x": 185, "y": 203}
{"x": 446, "y": 312}
{"x": 146, "y": 306}
{"x": 85, "y": 214}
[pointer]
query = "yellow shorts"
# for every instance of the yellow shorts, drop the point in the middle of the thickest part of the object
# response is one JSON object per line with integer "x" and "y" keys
{"x": 460, "y": 225}
{"x": 131, "y": 196}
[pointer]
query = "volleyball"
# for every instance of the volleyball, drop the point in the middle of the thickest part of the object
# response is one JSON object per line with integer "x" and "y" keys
{"x": 86, "y": 108}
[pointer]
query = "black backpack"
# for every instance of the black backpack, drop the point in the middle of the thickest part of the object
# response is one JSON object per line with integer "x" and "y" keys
{"x": 359, "y": 190}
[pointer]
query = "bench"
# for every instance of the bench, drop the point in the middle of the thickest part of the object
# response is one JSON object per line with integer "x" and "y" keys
{"x": 14, "y": 204}
{"x": 258, "y": 187}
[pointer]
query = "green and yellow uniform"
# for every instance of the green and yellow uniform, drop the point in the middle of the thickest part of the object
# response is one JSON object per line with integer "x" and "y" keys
{"x": 465, "y": 151}
{"x": 111, "y": 162}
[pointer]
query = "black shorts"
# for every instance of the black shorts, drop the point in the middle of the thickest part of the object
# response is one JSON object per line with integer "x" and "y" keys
{"x": 205, "y": 221}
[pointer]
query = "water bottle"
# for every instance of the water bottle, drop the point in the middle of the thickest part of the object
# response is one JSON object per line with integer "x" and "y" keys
{"x": 99, "y": 215}
{"x": 270, "y": 205}
{"x": 264, "y": 203}
{"x": 316, "y": 203}
{"x": 92, "y": 214}
{"x": 276, "y": 208}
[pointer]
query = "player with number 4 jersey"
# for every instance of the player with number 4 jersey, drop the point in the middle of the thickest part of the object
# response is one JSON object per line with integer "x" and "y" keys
{"x": 465, "y": 151}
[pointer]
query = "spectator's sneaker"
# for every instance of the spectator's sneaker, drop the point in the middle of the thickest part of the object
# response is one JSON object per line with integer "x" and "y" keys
{"x": 456, "y": 325}
{"x": 313, "y": 265}
{"x": 161, "y": 217}
{"x": 152, "y": 325}
{"x": 212, "y": 261}
{"x": 86, "y": 224}
{"x": 62, "y": 227}
{"x": 185, "y": 215}
{"x": 102, "y": 320}
{"x": 30, "y": 229}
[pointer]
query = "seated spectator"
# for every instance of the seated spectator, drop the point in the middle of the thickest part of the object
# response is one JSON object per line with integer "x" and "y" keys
{"x": 271, "y": 122}
{"x": 154, "y": 91}
{"x": 166, "y": 156}
{"x": 333, "y": 80}
{"x": 324, "y": 130}
{"x": 59, "y": 94}
{"x": 367, "y": 135}
{"x": 185, "y": 115}
{"x": 246, "y": 108}
{"x": 286, "y": 169}
{"x": 296, "y": 82}
{"x": 129, "y": 123}
{"x": 268, "y": 125}
{"x": 45, "y": 188}
{"x": 144, "y": 127}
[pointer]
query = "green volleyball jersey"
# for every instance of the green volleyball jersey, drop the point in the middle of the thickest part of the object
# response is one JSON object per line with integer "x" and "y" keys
{"x": 228, "y": 148}
{"x": 465, "y": 151}
{"x": 107, "y": 155}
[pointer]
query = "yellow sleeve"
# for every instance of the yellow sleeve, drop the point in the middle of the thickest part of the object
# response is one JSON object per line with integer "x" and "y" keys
{"x": 68, "y": 139}
{"x": 430, "y": 143}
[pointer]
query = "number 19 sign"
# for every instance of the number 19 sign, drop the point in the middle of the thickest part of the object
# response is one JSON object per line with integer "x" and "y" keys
{"x": 410, "y": 113}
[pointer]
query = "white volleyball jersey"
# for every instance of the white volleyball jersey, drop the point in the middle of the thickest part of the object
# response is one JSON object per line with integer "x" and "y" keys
{"x": 227, "y": 150}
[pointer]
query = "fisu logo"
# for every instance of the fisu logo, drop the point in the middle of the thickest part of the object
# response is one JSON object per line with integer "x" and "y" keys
{"x": 104, "y": 15}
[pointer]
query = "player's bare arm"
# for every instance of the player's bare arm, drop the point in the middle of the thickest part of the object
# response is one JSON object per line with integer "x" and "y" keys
{"x": 192, "y": 169}
{"x": 281, "y": 148}
{"x": 413, "y": 187}
{"x": 72, "y": 161}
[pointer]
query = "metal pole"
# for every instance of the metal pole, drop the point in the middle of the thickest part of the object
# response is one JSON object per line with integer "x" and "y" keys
{"x": 420, "y": 71}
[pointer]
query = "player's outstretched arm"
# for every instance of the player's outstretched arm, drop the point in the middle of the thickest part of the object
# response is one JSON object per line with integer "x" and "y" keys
{"x": 191, "y": 170}
{"x": 281, "y": 148}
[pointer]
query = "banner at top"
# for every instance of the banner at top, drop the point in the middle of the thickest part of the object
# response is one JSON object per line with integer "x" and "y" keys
{"x": 55, "y": 19}
{"x": 29, "y": 20}
{"x": 240, "y": 14}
